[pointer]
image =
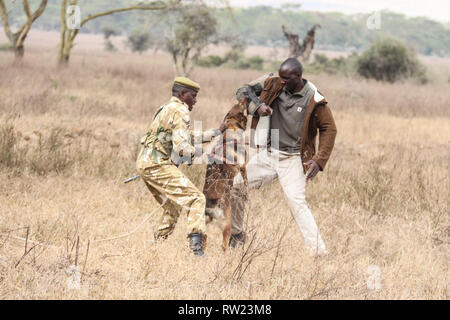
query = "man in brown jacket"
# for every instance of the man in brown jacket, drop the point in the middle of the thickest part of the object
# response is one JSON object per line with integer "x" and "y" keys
{"x": 293, "y": 111}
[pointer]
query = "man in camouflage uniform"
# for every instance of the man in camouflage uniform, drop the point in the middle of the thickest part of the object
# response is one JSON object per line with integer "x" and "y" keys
{"x": 167, "y": 144}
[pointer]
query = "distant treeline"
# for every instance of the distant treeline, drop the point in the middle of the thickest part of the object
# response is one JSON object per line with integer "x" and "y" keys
{"x": 262, "y": 26}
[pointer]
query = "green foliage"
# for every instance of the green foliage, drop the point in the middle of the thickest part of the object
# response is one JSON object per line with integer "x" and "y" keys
{"x": 211, "y": 61}
{"x": 261, "y": 25}
{"x": 109, "y": 46}
{"x": 108, "y": 31}
{"x": 194, "y": 29}
{"x": 5, "y": 47}
{"x": 390, "y": 60}
{"x": 138, "y": 41}
{"x": 253, "y": 62}
{"x": 234, "y": 59}
{"x": 341, "y": 65}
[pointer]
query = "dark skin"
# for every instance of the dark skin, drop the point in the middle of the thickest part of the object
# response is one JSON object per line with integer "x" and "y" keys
{"x": 189, "y": 97}
{"x": 292, "y": 81}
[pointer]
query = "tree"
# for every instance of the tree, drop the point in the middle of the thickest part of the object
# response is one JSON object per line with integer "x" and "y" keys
{"x": 109, "y": 31}
{"x": 17, "y": 38}
{"x": 390, "y": 60}
{"x": 193, "y": 31}
{"x": 68, "y": 35}
{"x": 138, "y": 41}
{"x": 303, "y": 50}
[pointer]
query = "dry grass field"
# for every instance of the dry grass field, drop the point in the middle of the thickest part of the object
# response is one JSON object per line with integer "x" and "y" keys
{"x": 68, "y": 139}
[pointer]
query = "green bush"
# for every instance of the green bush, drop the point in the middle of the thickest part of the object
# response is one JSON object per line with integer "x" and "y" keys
{"x": 234, "y": 59}
{"x": 109, "y": 46}
{"x": 322, "y": 64}
{"x": 211, "y": 61}
{"x": 390, "y": 60}
{"x": 243, "y": 62}
{"x": 5, "y": 46}
{"x": 233, "y": 55}
{"x": 138, "y": 41}
{"x": 253, "y": 62}
{"x": 256, "y": 62}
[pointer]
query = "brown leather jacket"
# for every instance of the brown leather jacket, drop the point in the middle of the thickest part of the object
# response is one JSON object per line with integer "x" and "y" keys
{"x": 318, "y": 118}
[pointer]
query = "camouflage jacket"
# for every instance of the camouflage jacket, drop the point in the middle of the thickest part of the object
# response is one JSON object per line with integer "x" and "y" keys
{"x": 169, "y": 137}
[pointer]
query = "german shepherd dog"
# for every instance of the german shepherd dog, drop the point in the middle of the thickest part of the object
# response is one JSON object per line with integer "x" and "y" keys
{"x": 227, "y": 159}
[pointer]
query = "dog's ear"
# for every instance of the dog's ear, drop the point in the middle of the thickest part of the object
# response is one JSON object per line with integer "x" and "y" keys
{"x": 234, "y": 111}
{"x": 238, "y": 108}
{"x": 243, "y": 105}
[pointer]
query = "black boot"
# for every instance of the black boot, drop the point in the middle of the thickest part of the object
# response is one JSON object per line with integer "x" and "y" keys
{"x": 237, "y": 239}
{"x": 196, "y": 243}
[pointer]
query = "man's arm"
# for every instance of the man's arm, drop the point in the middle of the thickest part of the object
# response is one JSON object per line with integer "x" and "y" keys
{"x": 181, "y": 139}
{"x": 327, "y": 134}
{"x": 204, "y": 136}
{"x": 252, "y": 91}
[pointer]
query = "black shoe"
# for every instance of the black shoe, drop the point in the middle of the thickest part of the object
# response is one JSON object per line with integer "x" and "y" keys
{"x": 196, "y": 243}
{"x": 237, "y": 239}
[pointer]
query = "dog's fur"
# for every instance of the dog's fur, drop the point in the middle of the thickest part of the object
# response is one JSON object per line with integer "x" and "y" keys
{"x": 219, "y": 176}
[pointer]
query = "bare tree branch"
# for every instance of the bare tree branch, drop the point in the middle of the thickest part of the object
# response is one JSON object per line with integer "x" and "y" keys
{"x": 27, "y": 26}
{"x": 17, "y": 38}
{"x": 26, "y": 7}
{"x": 106, "y": 13}
{"x": 68, "y": 37}
{"x": 4, "y": 16}
{"x": 63, "y": 27}
{"x": 296, "y": 49}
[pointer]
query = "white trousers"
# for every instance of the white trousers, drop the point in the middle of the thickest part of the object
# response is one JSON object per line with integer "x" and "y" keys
{"x": 265, "y": 167}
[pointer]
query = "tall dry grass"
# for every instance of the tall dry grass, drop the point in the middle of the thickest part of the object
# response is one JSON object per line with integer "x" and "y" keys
{"x": 68, "y": 138}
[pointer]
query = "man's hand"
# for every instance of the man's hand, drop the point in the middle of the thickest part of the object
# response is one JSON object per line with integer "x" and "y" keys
{"x": 314, "y": 168}
{"x": 264, "y": 110}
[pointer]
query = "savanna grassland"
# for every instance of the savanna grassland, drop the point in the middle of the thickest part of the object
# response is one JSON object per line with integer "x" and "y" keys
{"x": 68, "y": 138}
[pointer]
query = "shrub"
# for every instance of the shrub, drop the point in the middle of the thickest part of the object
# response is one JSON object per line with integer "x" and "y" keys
{"x": 50, "y": 155}
{"x": 211, "y": 61}
{"x": 242, "y": 62}
{"x": 109, "y": 46}
{"x": 5, "y": 47}
{"x": 332, "y": 66}
{"x": 390, "y": 60}
{"x": 11, "y": 155}
{"x": 233, "y": 55}
{"x": 234, "y": 59}
{"x": 138, "y": 41}
{"x": 256, "y": 62}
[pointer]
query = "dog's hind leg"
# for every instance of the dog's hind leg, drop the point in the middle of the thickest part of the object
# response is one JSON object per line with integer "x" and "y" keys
{"x": 227, "y": 227}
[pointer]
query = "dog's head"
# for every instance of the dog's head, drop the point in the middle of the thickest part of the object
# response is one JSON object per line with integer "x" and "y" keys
{"x": 236, "y": 118}
{"x": 231, "y": 150}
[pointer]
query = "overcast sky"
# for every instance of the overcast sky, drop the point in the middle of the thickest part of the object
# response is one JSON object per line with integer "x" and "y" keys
{"x": 435, "y": 9}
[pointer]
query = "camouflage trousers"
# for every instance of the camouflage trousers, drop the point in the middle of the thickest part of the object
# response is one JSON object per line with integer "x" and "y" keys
{"x": 175, "y": 192}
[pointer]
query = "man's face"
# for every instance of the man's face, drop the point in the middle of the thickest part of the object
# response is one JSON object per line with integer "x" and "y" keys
{"x": 189, "y": 97}
{"x": 290, "y": 78}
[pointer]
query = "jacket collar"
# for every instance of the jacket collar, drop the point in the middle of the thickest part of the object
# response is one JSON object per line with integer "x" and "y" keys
{"x": 175, "y": 99}
{"x": 300, "y": 93}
